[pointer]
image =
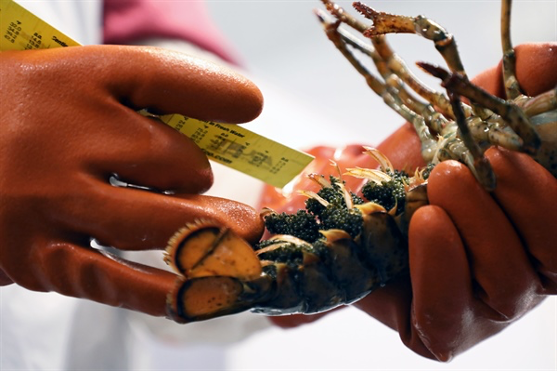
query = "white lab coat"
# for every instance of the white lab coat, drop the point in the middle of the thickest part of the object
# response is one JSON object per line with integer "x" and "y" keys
{"x": 45, "y": 331}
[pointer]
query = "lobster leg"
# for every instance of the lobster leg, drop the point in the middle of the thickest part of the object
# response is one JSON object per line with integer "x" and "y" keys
{"x": 542, "y": 103}
{"x": 396, "y": 75}
{"x": 512, "y": 114}
{"x": 511, "y": 84}
{"x": 403, "y": 104}
{"x": 390, "y": 96}
{"x": 387, "y": 62}
{"x": 385, "y": 23}
{"x": 488, "y": 121}
{"x": 438, "y": 122}
{"x": 481, "y": 167}
{"x": 392, "y": 69}
{"x": 399, "y": 68}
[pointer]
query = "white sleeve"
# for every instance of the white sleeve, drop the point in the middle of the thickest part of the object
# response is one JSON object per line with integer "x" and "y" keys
{"x": 48, "y": 331}
{"x": 80, "y": 20}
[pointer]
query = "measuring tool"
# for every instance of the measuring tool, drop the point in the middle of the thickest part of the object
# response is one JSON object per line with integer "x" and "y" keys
{"x": 230, "y": 145}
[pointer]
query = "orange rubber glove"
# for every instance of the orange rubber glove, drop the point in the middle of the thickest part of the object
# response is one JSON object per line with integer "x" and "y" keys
{"x": 478, "y": 261}
{"x": 69, "y": 123}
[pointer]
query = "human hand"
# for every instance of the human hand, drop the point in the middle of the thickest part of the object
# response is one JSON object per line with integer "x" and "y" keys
{"x": 69, "y": 124}
{"x": 511, "y": 276}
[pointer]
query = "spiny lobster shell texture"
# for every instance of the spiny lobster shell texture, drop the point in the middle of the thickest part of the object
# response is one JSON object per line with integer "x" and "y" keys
{"x": 222, "y": 274}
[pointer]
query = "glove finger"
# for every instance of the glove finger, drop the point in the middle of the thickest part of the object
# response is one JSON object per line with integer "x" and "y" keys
{"x": 527, "y": 193}
{"x": 289, "y": 199}
{"x": 132, "y": 219}
{"x": 82, "y": 272}
{"x": 441, "y": 281}
{"x": 169, "y": 82}
{"x": 148, "y": 153}
{"x": 499, "y": 264}
{"x": 535, "y": 68}
{"x": 403, "y": 149}
{"x": 296, "y": 320}
{"x": 5, "y": 279}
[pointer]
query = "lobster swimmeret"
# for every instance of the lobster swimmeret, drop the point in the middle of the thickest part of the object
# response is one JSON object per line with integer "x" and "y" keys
{"x": 344, "y": 245}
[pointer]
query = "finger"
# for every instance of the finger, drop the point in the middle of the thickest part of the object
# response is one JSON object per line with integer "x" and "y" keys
{"x": 403, "y": 149}
{"x": 132, "y": 219}
{"x": 154, "y": 78}
{"x": 46, "y": 259}
{"x": 328, "y": 161}
{"x": 391, "y": 305}
{"x": 442, "y": 287}
{"x": 296, "y": 320}
{"x": 535, "y": 70}
{"x": 499, "y": 263}
{"x": 148, "y": 153}
{"x": 527, "y": 193}
{"x": 5, "y": 279}
{"x": 288, "y": 199}
{"x": 87, "y": 273}
{"x": 172, "y": 82}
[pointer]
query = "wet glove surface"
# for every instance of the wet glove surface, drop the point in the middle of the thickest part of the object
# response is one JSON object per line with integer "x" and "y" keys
{"x": 69, "y": 124}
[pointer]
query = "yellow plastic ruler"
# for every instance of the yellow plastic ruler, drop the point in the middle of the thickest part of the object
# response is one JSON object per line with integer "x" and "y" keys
{"x": 243, "y": 150}
{"x": 21, "y": 30}
{"x": 230, "y": 145}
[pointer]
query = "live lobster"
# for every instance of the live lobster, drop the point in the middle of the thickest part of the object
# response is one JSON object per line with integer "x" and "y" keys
{"x": 344, "y": 245}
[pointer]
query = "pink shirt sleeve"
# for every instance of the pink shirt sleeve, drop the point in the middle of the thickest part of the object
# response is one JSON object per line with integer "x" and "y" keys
{"x": 126, "y": 21}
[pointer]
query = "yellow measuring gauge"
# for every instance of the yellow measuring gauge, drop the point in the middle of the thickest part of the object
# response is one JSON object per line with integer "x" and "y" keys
{"x": 230, "y": 145}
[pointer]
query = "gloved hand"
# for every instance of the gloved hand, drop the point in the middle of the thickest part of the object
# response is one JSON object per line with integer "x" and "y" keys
{"x": 478, "y": 261}
{"x": 69, "y": 123}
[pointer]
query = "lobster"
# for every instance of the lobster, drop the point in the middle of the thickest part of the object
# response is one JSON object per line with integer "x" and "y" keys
{"x": 345, "y": 245}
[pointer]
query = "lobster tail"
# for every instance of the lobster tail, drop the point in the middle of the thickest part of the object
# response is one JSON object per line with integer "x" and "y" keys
{"x": 355, "y": 247}
{"x": 219, "y": 273}
{"x": 213, "y": 296}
